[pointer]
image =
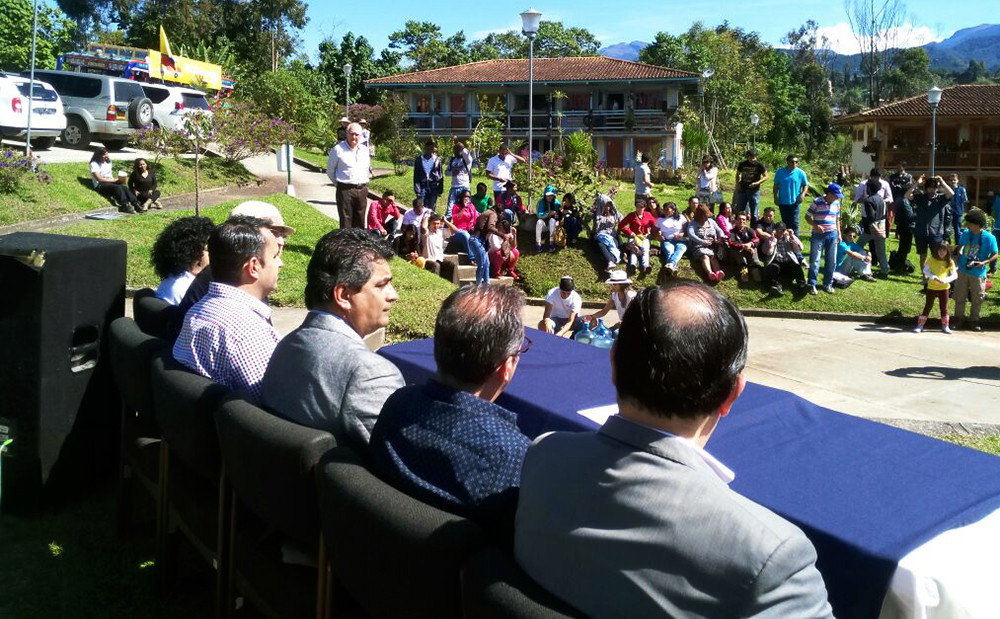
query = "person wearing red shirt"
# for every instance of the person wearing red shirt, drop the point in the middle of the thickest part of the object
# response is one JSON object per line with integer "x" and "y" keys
{"x": 636, "y": 226}
{"x": 384, "y": 215}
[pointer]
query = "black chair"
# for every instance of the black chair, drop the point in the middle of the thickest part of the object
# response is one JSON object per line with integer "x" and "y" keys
{"x": 494, "y": 587}
{"x": 193, "y": 500}
{"x": 132, "y": 353}
{"x": 394, "y": 555}
{"x": 270, "y": 464}
{"x": 155, "y": 316}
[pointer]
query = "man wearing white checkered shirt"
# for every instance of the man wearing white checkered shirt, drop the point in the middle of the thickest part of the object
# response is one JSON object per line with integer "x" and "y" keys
{"x": 227, "y": 335}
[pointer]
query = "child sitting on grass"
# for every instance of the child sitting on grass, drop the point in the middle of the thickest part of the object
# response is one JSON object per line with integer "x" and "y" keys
{"x": 852, "y": 258}
{"x": 940, "y": 270}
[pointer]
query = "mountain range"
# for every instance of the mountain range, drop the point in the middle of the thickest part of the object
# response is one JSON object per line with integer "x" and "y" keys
{"x": 980, "y": 43}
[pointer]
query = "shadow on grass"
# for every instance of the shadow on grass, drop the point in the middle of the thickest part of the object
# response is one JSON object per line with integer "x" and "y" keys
{"x": 982, "y": 372}
{"x": 298, "y": 248}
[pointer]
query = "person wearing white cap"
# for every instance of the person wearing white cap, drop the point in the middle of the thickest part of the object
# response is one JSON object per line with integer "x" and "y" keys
{"x": 622, "y": 294}
{"x": 251, "y": 208}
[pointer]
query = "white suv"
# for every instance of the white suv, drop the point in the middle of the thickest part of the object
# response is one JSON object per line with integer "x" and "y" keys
{"x": 47, "y": 117}
{"x": 171, "y": 103}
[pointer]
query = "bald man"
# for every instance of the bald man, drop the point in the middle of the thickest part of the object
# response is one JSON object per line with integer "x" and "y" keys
{"x": 349, "y": 167}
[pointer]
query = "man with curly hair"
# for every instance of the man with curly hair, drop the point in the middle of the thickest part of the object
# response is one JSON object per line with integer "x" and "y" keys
{"x": 179, "y": 254}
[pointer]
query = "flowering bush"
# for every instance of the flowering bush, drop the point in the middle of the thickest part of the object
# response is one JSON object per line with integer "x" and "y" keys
{"x": 16, "y": 167}
{"x": 241, "y": 131}
{"x": 575, "y": 170}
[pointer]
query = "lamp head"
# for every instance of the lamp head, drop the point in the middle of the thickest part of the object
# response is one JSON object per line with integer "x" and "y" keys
{"x": 754, "y": 119}
{"x": 707, "y": 73}
{"x": 347, "y": 69}
{"x": 529, "y": 22}
{"x": 934, "y": 95}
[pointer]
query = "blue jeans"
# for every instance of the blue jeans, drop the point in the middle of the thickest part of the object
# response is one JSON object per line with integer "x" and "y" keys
{"x": 956, "y": 222}
{"x": 675, "y": 249}
{"x": 747, "y": 201}
{"x": 426, "y": 192}
{"x": 478, "y": 255}
{"x": 451, "y": 200}
{"x": 827, "y": 244}
{"x": 790, "y": 216}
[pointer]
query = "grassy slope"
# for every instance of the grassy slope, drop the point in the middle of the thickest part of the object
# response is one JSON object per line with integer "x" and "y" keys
{"x": 71, "y": 192}
{"x": 899, "y": 295}
{"x": 421, "y": 293}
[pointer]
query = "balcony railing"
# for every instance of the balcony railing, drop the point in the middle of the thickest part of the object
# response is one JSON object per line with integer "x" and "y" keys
{"x": 945, "y": 158}
{"x": 597, "y": 121}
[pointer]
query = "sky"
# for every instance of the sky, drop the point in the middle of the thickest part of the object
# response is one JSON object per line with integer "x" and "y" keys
{"x": 926, "y": 21}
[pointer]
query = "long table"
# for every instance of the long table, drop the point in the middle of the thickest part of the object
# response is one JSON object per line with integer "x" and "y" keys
{"x": 867, "y": 495}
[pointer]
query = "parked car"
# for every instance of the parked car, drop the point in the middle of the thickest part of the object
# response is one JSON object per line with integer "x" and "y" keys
{"x": 99, "y": 107}
{"x": 47, "y": 117}
{"x": 172, "y": 103}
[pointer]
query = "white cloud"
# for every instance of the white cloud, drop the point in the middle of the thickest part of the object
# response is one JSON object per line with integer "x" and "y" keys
{"x": 841, "y": 39}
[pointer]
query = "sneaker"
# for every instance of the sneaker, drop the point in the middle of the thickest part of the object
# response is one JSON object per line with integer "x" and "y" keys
{"x": 811, "y": 290}
{"x": 920, "y": 329}
{"x": 145, "y": 205}
{"x": 776, "y": 290}
{"x": 127, "y": 209}
{"x": 538, "y": 248}
{"x": 157, "y": 205}
{"x": 945, "y": 329}
{"x": 975, "y": 328}
{"x": 552, "y": 247}
{"x": 720, "y": 275}
{"x": 713, "y": 278}
{"x": 868, "y": 278}
{"x": 828, "y": 289}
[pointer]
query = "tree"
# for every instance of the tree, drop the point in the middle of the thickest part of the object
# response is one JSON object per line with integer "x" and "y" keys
{"x": 554, "y": 41}
{"x": 810, "y": 56}
{"x": 55, "y": 35}
{"x": 364, "y": 66}
{"x": 911, "y": 75}
{"x": 421, "y": 44}
{"x": 876, "y": 26}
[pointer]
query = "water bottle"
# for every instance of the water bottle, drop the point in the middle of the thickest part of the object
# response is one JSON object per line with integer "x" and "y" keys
{"x": 584, "y": 335}
{"x": 601, "y": 339}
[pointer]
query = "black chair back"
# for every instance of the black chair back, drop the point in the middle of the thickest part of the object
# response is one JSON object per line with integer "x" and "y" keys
{"x": 185, "y": 408}
{"x": 494, "y": 587}
{"x": 395, "y": 556}
{"x": 156, "y": 316}
{"x": 270, "y": 463}
{"x": 132, "y": 352}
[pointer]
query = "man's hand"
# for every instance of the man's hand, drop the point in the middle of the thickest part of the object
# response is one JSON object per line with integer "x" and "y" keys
{"x": 545, "y": 326}
{"x": 817, "y": 229}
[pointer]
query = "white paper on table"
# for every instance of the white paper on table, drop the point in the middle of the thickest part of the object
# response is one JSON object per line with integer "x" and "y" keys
{"x": 599, "y": 414}
{"x": 952, "y": 576}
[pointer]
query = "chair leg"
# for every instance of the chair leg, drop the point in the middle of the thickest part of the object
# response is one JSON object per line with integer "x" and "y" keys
{"x": 223, "y": 551}
{"x": 322, "y": 581}
{"x": 164, "y": 551}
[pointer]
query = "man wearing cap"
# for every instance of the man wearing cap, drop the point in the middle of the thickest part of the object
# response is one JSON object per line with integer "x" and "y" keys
{"x": 251, "y": 208}
{"x": 349, "y": 167}
{"x": 824, "y": 217}
{"x": 562, "y": 309}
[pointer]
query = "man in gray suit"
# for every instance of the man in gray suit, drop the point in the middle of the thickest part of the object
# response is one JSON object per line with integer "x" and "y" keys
{"x": 637, "y": 519}
{"x": 322, "y": 375}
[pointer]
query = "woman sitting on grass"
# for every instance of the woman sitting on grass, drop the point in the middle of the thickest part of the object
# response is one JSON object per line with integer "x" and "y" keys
{"x": 606, "y": 219}
{"x": 179, "y": 254}
{"x": 102, "y": 176}
{"x": 725, "y": 218}
{"x": 142, "y": 182}
{"x": 708, "y": 245}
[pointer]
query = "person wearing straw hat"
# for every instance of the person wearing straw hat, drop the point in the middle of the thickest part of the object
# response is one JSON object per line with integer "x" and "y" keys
{"x": 342, "y": 131}
{"x": 622, "y": 294}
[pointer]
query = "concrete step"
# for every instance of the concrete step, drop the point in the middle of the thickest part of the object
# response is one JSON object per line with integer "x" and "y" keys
{"x": 457, "y": 259}
{"x": 505, "y": 280}
{"x": 465, "y": 271}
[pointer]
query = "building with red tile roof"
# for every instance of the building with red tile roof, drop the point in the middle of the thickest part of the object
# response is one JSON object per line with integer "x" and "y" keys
{"x": 626, "y": 106}
{"x": 968, "y": 137}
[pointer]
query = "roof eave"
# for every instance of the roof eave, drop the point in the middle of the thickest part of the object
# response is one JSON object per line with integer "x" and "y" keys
{"x": 582, "y": 82}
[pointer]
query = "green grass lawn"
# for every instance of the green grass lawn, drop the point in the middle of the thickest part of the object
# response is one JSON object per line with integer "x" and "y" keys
{"x": 71, "y": 191}
{"x": 420, "y": 292}
{"x": 988, "y": 443}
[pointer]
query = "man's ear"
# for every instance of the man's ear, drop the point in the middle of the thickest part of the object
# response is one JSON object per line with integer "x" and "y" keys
{"x": 741, "y": 383}
{"x": 342, "y": 297}
{"x": 252, "y": 268}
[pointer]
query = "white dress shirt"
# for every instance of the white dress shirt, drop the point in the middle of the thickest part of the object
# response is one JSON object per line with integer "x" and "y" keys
{"x": 349, "y": 165}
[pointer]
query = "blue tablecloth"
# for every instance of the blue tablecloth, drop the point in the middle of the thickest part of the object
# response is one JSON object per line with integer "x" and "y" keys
{"x": 866, "y": 494}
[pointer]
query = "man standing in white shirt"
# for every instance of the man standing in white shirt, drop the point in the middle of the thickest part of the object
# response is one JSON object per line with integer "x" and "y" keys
{"x": 562, "y": 309}
{"x": 643, "y": 183}
{"x": 500, "y": 168}
{"x": 349, "y": 167}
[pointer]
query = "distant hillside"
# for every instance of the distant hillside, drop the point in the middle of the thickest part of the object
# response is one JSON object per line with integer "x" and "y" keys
{"x": 980, "y": 43}
{"x": 623, "y": 51}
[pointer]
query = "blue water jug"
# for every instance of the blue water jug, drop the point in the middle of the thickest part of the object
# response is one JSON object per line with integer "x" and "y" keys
{"x": 584, "y": 335}
{"x": 602, "y": 337}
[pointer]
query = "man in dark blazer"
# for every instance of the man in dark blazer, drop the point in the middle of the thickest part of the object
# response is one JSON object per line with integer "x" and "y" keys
{"x": 428, "y": 176}
{"x": 322, "y": 375}
{"x": 637, "y": 519}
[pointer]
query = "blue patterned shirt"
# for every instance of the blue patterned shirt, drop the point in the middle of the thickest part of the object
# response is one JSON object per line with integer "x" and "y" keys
{"x": 228, "y": 336}
{"x": 452, "y": 449}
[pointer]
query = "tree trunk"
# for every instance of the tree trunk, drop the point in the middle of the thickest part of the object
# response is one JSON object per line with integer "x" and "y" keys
{"x": 197, "y": 181}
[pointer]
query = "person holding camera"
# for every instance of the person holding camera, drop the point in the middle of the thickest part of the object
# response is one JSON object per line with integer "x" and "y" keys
{"x": 932, "y": 205}
{"x": 977, "y": 248}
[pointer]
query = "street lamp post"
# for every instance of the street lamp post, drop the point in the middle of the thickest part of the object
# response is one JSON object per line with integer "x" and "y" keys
{"x": 754, "y": 119}
{"x": 31, "y": 86}
{"x": 347, "y": 88}
{"x": 933, "y": 97}
{"x": 529, "y": 27}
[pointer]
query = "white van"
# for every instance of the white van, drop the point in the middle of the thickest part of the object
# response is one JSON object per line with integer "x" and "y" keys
{"x": 47, "y": 117}
{"x": 171, "y": 103}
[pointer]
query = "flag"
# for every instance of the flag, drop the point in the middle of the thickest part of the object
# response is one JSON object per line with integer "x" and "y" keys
{"x": 164, "y": 43}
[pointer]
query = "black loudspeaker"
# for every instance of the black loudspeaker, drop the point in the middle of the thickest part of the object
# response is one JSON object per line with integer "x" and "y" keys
{"x": 58, "y": 400}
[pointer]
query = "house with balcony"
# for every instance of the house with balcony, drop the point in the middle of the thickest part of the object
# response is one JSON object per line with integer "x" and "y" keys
{"x": 626, "y": 106}
{"x": 968, "y": 137}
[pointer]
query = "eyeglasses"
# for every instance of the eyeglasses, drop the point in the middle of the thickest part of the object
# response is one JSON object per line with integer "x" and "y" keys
{"x": 525, "y": 345}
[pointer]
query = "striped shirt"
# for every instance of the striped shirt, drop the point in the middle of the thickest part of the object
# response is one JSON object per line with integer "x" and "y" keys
{"x": 228, "y": 337}
{"x": 824, "y": 215}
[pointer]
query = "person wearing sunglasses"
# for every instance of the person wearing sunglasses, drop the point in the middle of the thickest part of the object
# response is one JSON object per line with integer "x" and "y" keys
{"x": 446, "y": 442}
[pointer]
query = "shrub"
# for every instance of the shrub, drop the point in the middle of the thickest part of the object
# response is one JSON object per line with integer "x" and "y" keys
{"x": 242, "y": 131}
{"x": 16, "y": 167}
